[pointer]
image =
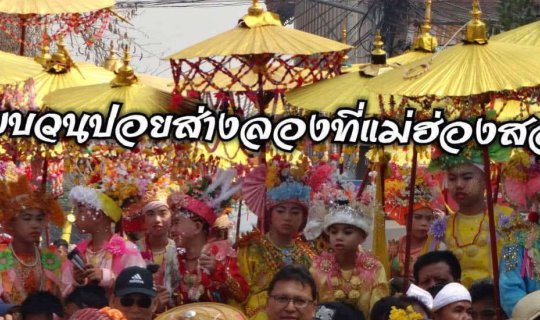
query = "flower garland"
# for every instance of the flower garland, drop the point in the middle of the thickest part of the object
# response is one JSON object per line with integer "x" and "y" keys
{"x": 404, "y": 314}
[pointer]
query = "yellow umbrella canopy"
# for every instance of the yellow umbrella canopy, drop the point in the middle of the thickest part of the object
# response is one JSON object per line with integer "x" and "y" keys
{"x": 471, "y": 68}
{"x": 260, "y": 32}
{"x": 52, "y": 6}
{"x": 203, "y": 311}
{"x": 135, "y": 95}
{"x": 14, "y": 68}
{"x": 341, "y": 91}
{"x": 527, "y": 35}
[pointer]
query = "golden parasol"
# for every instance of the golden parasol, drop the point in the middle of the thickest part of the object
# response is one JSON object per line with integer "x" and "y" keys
{"x": 474, "y": 69}
{"x": 15, "y": 68}
{"x": 527, "y": 35}
{"x": 61, "y": 73}
{"x": 341, "y": 91}
{"x": 424, "y": 45}
{"x": 203, "y": 311}
{"x": 43, "y": 7}
{"x": 126, "y": 88}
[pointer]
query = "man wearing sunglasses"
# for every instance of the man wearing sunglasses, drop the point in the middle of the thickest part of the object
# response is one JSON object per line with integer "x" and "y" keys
{"x": 292, "y": 295}
{"x": 134, "y": 294}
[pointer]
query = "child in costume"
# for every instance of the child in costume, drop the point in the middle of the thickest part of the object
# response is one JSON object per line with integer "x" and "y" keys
{"x": 347, "y": 273}
{"x": 278, "y": 193}
{"x": 466, "y": 233}
{"x": 520, "y": 260}
{"x": 105, "y": 253}
{"x": 24, "y": 267}
{"x": 209, "y": 272}
{"x": 426, "y": 199}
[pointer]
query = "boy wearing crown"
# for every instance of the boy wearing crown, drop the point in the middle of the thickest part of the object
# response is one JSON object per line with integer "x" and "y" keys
{"x": 279, "y": 194}
{"x": 347, "y": 273}
{"x": 106, "y": 254}
{"x": 24, "y": 267}
{"x": 466, "y": 233}
{"x": 209, "y": 271}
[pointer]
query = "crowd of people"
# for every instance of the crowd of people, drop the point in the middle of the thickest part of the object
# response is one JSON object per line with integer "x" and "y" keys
{"x": 306, "y": 261}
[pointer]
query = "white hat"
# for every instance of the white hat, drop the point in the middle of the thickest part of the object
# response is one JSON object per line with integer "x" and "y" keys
{"x": 450, "y": 293}
{"x": 528, "y": 308}
{"x": 420, "y": 294}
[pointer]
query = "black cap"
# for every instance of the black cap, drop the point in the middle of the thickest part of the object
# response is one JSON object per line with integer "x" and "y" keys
{"x": 134, "y": 280}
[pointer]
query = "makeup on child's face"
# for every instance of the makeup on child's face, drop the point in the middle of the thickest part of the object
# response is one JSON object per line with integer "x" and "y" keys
{"x": 345, "y": 238}
{"x": 466, "y": 184}
{"x": 85, "y": 218}
{"x": 29, "y": 225}
{"x": 182, "y": 228}
{"x": 157, "y": 221}
{"x": 286, "y": 218}
{"x": 422, "y": 219}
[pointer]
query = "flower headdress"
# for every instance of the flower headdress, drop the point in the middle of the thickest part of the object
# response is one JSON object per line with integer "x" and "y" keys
{"x": 396, "y": 199}
{"x": 521, "y": 174}
{"x": 205, "y": 196}
{"x": 19, "y": 195}
{"x": 276, "y": 182}
{"x": 404, "y": 314}
{"x": 471, "y": 153}
{"x": 335, "y": 202}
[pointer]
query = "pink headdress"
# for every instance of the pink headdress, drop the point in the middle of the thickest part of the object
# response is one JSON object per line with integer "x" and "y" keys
{"x": 521, "y": 174}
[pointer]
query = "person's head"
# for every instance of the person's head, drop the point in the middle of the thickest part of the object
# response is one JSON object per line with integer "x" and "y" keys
{"x": 381, "y": 309}
{"x": 134, "y": 294}
{"x": 466, "y": 184}
{"x": 61, "y": 246}
{"x": 483, "y": 305}
{"x": 94, "y": 211}
{"x": 187, "y": 226}
{"x": 337, "y": 311}
{"x": 345, "y": 238}
{"x": 7, "y": 308}
{"x": 88, "y": 296}
{"x": 417, "y": 305}
{"x": 41, "y": 305}
{"x": 453, "y": 302}
{"x": 292, "y": 294}
{"x": 25, "y": 212}
{"x": 157, "y": 218}
{"x": 436, "y": 267}
{"x": 286, "y": 218}
{"x": 28, "y": 225}
{"x": 422, "y": 219}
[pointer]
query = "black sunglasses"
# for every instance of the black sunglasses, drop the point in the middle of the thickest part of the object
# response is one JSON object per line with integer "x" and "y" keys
{"x": 143, "y": 302}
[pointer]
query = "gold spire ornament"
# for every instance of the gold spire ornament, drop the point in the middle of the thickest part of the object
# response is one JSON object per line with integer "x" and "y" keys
{"x": 111, "y": 63}
{"x": 258, "y": 17}
{"x": 476, "y": 28}
{"x": 425, "y": 41}
{"x": 125, "y": 76}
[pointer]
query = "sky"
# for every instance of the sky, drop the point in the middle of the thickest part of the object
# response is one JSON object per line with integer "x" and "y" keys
{"x": 163, "y": 31}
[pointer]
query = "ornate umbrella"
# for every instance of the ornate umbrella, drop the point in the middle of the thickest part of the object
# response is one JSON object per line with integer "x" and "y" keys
{"x": 259, "y": 49}
{"x": 16, "y": 68}
{"x": 70, "y": 16}
{"x": 473, "y": 74}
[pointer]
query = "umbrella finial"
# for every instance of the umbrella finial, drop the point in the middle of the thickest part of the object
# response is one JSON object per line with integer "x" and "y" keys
{"x": 378, "y": 55}
{"x": 111, "y": 62}
{"x": 476, "y": 28}
{"x": 125, "y": 76}
{"x": 60, "y": 62}
{"x": 425, "y": 41}
{"x": 45, "y": 49}
{"x": 344, "y": 41}
{"x": 255, "y": 9}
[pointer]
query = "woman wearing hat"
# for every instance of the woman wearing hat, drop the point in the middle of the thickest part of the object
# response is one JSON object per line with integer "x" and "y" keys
{"x": 24, "y": 267}
{"x": 347, "y": 273}
{"x": 209, "y": 272}
{"x": 105, "y": 253}
{"x": 279, "y": 194}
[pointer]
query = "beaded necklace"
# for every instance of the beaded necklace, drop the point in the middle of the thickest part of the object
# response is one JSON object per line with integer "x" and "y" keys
{"x": 26, "y": 272}
{"x": 278, "y": 257}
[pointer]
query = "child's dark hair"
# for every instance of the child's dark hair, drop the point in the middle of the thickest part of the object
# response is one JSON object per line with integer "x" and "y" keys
{"x": 88, "y": 296}
{"x": 381, "y": 309}
{"x": 42, "y": 302}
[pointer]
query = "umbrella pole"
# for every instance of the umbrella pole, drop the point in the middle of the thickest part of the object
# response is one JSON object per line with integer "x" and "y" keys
{"x": 412, "y": 187}
{"x": 492, "y": 234}
{"x": 260, "y": 98}
{"x": 238, "y": 223}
